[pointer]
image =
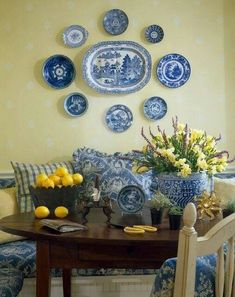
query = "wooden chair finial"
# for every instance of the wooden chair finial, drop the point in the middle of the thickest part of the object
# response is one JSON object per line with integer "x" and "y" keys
{"x": 190, "y": 215}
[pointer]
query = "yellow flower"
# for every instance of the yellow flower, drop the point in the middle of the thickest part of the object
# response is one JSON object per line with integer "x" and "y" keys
{"x": 185, "y": 170}
{"x": 180, "y": 127}
{"x": 201, "y": 163}
{"x": 212, "y": 169}
{"x": 195, "y": 135}
{"x": 180, "y": 162}
{"x": 220, "y": 168}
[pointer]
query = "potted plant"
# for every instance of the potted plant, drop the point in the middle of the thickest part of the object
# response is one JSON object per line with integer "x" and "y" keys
{"x": 229, "y": 208}
{"x": 182, "y": 161}
{"x": 175, "y": 214}
{"x": 157, "y": 204}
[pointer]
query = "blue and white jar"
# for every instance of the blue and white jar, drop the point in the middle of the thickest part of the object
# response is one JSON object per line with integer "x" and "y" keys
{"x": 182, "y": 190}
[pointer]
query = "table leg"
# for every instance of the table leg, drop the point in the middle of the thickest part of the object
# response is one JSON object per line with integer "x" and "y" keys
{"x": 67, "y": 282}
{"x": 43, "y": 273}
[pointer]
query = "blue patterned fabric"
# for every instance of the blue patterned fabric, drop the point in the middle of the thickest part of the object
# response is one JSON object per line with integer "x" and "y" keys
{"x": 205, "y": 278}
{"x": 21, "y": 255}
{"x": 7, "y": 183}
{"x": 11, "y": 282}
{"x": 114, "y": 171}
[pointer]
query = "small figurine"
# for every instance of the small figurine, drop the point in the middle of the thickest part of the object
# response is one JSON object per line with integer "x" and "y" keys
{"x": 107, "y": 209}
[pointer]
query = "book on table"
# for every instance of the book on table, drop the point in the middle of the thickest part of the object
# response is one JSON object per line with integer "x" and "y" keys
{"x": 62, "y": 225}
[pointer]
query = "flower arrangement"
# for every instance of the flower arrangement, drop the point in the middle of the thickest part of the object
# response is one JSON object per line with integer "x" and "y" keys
{"x": 185, "y": 151}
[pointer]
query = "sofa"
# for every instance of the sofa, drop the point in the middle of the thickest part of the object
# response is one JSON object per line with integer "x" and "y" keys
{"x": 17, "y": 253}
{"x": 114, "y": 171}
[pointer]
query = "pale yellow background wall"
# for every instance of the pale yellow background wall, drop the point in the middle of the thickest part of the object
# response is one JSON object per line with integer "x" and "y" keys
{"x": 34, "y": 125}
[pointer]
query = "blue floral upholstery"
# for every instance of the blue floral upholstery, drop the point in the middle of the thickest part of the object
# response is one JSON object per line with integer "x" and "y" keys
{"x": 7, "y": 183}
{"x": 21, "y": 255}
{"x": 114, "y": 171}
{"x": 11, "y": 282}
{"x": 205, "y": 278}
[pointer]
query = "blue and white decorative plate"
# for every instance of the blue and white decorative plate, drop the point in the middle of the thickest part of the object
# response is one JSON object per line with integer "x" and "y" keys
{"x": 58, "y": 71}
{"x": 173, "y": 70}
{"x": 154, "y": 33}
{"x": 131, "y": 199}
{"x": 155, "y": 108}
{"x": 75, "y": 36}
{"x": 75, "y": 104}
{"x": 115, "y": 21}
{"x": 117, "y": 67}
{"x": 119, "y": 118}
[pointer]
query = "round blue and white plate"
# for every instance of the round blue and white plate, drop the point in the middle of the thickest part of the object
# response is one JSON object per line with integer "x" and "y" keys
{"x": 131, "y": 199}
{"x": 115, "y": 21}
{"x": 155, "y": 108}
{"x": 75, "y": 36}
{"x": 173, "y": 70}
{"x": 119, "y": 118}
{"x": 58, "y": 71}
{"x": 154, "y": 33}
{"x": 75, "y": 104}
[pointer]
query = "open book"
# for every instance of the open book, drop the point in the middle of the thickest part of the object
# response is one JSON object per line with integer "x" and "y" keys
{"x": 62, "y": 225}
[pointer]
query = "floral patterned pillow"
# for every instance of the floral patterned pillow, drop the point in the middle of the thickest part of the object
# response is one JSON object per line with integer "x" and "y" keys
{"x": 114, "y": 171}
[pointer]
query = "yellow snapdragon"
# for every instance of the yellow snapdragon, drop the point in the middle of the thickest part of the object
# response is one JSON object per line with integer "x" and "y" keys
{"x": 195, "y": 135}
{"x": 202, "y": 164}
{"x": 185, "y": 170}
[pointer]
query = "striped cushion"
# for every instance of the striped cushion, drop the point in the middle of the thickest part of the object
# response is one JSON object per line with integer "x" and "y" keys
{"x": 25, "y": 175}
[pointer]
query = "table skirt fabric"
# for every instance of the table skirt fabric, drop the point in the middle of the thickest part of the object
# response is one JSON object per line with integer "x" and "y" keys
{"x": 205, "y": 278}
{"x": 11, "y": 282}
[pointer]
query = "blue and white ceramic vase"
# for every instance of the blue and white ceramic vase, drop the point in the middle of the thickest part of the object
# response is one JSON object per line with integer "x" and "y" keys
{"x": 182, "y": 190}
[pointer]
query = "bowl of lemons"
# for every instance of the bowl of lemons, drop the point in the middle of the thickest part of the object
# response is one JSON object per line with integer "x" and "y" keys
{"x": 55, "y": 195}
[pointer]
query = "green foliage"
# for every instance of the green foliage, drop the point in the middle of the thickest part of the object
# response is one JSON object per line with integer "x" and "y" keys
{"x": 176, "y": 210}
{"x": 230, "y": 205}
{"x": 159, "y": 201}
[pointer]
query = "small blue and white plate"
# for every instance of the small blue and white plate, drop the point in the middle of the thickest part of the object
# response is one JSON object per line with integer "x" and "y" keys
{"x": 75, "y": 36}
{"x": 155, "y": 108}
{"x": 115, "y": 21}
{"x": 154, "y": 33}
{"x": 58, "y": 71}
{"x": 75, "y": 104}
{"x": 173, "y": 70}
{"x": 119, "y": 118}
{"x": 131, "y": 199}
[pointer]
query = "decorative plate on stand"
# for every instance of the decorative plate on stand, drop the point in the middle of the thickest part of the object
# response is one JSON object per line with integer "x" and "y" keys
{"x": 115, "y": 21}
{"x": 119, "y": 118}
{"x": 154, "y": 33}
{"x": 131, "y": 199}
{"x": 75, "y": 104}
{"x": 58, "y": 71}
{"x": 75, "y": 36}
{"x": 173, "y": 70}
{"x": 155, "y": 108}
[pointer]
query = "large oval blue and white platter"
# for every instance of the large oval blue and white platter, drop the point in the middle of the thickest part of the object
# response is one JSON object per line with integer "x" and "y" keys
{"x": 155, "y": 108}
{"x": 173, "y": 70}
{"x": 75, "y": 104}
{"x": 117, "y": 67}
{"x": 115, "y": 21}
{"x": 131, "y": 199}
{"x": 58, "y": 71}
{"x": 75, "y": 36}
{"x": 119, "y": 118}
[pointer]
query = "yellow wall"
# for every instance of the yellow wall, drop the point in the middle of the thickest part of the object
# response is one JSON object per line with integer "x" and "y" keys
{"x": 34, "y": 125}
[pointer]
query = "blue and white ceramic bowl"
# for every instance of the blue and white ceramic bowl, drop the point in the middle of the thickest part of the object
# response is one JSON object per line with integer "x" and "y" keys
{"x": 75, "y": 104}
{"x": 131, "y": 199}
{"x": 115, "y": 21}
{"x": 119, "y": 118}
{"x": 58, "y": 71}
{"x": 173, "y": 70}
{"x": 155, "y": 108}
{"x": 154, "y": 34}
{"x": 75, "y": 36}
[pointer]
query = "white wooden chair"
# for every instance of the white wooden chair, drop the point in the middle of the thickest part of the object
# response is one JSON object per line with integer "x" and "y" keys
{"x": 191, "y": 246}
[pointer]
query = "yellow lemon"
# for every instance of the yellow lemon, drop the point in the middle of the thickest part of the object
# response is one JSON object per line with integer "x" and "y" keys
{"x": 61, "y": 212}
{"x": 41, "y": 212}
{"x": 67, "y": 180}
{"x": 77, "y": 178}
{"x": 48, "y": 183}
{"x": 55, "y": 178}
{"x": 40, "y": 178}
{"x": 61, "y": 171}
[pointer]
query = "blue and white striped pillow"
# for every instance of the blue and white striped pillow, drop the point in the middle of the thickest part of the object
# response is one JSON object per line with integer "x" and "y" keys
{"x": 25, "y": 176}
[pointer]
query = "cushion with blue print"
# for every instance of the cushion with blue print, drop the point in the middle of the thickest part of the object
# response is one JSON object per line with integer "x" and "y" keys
{"x": 114, "y": 171}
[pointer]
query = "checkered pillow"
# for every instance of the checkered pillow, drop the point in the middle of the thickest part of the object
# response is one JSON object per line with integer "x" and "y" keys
{"x": 25, "y": 175}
